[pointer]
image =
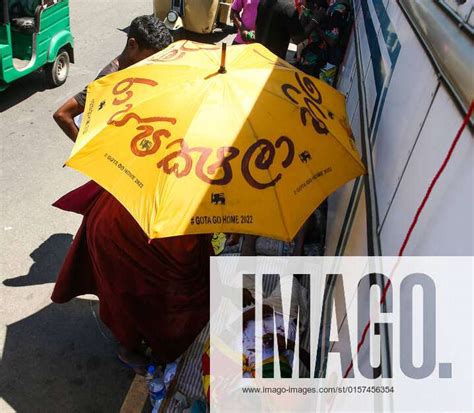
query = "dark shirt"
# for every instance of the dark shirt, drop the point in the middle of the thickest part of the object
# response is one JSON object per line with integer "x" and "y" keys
{"x": 277, "y": 22}
{"x": 112, "y": 67}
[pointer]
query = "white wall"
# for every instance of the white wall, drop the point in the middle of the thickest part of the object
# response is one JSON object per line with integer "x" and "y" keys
{"x": 418, "y": 121}
{"x": 446, "y": 225}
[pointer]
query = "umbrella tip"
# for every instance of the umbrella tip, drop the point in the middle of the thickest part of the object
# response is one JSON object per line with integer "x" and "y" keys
{"x": 222, "y": 69}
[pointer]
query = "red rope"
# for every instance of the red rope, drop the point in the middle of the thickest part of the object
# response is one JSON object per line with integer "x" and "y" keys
{"x": 435, "y": 179}
{"x": 415, "y": 221}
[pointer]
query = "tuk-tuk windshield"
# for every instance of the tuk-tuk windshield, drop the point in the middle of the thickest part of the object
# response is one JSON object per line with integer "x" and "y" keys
{"x": 4, "y": 19}
{"x": 19, "y": 8}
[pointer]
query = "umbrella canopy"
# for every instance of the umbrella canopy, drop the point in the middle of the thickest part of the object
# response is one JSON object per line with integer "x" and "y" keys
{"x": 193, "y": 141}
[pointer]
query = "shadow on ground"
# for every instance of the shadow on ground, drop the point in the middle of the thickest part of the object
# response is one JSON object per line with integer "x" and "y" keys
{"x": 62, "y": 358}
{"x": 57, "y": 361}
{"x": 22, "y": 89}
{"x": 47, "y": 258}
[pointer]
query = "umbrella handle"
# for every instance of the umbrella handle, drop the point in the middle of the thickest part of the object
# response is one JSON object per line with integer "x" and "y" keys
{"x": 222, "y": 69}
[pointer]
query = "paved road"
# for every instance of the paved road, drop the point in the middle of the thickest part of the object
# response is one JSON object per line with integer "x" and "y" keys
{"x": 53, "y": 357}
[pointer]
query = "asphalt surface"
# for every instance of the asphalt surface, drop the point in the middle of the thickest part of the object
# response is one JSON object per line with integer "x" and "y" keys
{"x": 54, "y": 358}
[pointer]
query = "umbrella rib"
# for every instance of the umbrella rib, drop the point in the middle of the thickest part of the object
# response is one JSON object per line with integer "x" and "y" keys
{"x": 280, "y": 209}
{"x": 198, "y": 110}
{"x": 324, "y": 106}
{"x": 151, "y": 96}
{"x": 275, "y": 94}
{"x": 358, "y": 161}
{"x": 297, "y": 106}
{"x": 243, "y": 58}
{"x": 268, "y": 171}
{"x": 330, "y": 133}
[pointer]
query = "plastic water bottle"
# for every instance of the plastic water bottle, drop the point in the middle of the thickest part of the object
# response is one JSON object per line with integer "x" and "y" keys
{"x": 250, "y": 36}
{"x": 156, "y": 387}
{"x": 170, "y": 372}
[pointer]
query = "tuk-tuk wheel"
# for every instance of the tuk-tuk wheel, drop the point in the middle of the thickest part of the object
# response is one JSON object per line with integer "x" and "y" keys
{"x": 56, "y": 72}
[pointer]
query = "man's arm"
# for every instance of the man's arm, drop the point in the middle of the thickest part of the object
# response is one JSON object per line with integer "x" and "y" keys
{"x": 299, "y": 32}
{"x": 294, "y": 26}
{"x": 74, "y": 106}
{"x": 235, "y": 16}
{"x": 301, "y": 36}
{"x": 65, "y": 115}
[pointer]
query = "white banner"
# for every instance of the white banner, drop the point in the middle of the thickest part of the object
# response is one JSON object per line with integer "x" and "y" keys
{"x": 341, "y": 334}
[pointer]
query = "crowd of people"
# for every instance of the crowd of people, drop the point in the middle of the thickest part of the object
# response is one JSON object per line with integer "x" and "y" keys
{"x": 158, "y": 292}
{"x": 320, "y": 28}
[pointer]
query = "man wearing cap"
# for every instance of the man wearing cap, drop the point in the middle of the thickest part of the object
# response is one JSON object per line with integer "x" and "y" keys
{"x": 147, "y": 35}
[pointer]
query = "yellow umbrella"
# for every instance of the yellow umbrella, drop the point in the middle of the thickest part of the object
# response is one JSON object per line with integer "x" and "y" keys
{"x": 190, "y": 146}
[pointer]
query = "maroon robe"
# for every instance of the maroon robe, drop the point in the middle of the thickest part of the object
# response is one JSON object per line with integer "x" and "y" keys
{"x": 154, "y": 291}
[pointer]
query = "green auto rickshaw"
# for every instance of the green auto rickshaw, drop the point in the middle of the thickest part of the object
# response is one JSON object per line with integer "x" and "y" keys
{"x": 35, "y": 34}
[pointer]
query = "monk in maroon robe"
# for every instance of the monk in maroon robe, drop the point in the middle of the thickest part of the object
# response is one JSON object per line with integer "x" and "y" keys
{"x": 154, "y": 292}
